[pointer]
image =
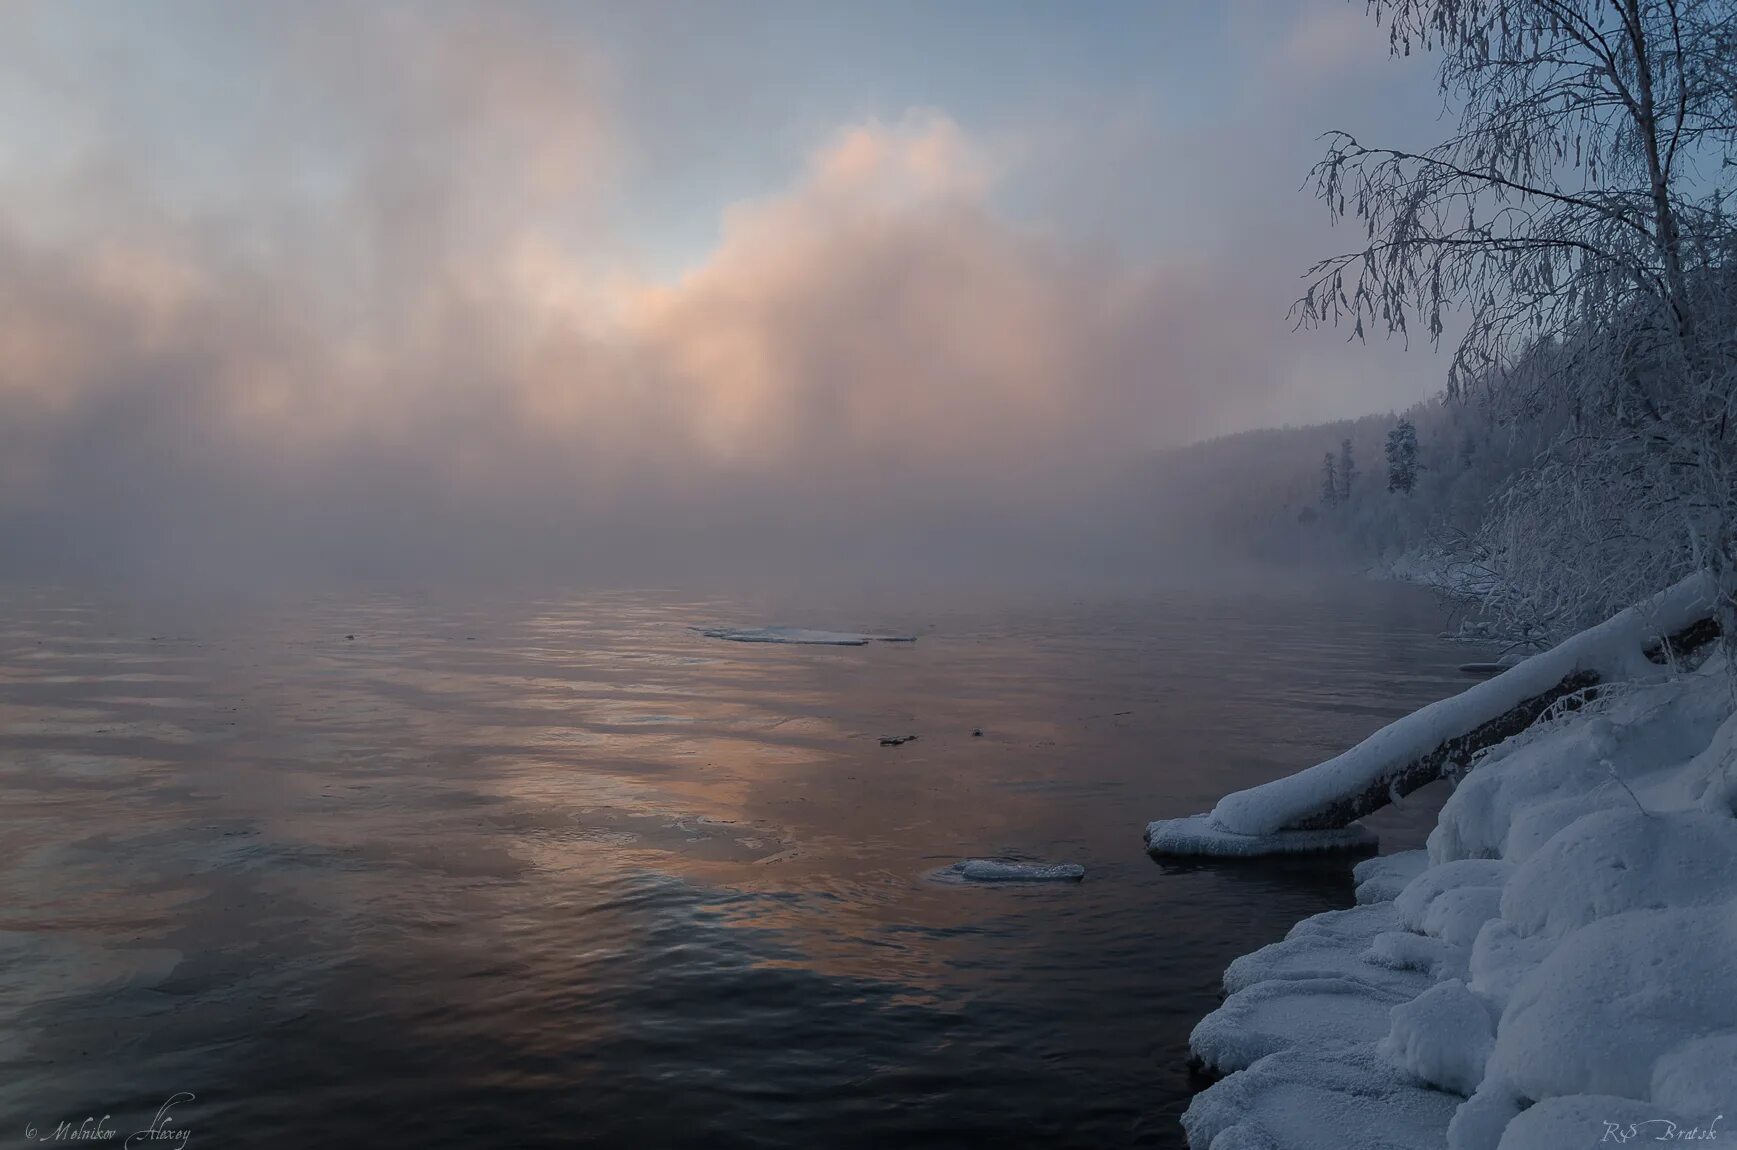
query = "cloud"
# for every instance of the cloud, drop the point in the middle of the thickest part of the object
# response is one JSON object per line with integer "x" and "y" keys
{"x": 393, "y": 330}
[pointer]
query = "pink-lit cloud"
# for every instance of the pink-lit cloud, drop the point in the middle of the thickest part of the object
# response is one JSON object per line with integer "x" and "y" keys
{"x": 397, "y": 322}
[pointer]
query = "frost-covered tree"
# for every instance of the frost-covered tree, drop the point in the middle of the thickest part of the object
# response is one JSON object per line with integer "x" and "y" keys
{"x": 1329, "y": 481}
{"x": 1578, "y": 217}
{"x": 1402, "y": 457}
{"x": 1347, "y": 469}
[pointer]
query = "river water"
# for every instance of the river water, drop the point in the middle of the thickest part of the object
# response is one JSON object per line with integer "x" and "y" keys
{"x": 559, "y": 870}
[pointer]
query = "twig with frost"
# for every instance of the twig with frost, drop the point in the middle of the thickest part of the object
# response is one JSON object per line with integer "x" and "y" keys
{"x": 1611, "y": 767}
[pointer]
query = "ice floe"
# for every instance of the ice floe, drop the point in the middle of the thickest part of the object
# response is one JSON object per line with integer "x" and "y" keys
{"x": 1004, "y": 870}
{"x": 800, "y": 636}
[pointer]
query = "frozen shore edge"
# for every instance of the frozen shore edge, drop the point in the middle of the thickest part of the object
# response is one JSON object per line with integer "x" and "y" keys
{"x": 1556, "y": 964}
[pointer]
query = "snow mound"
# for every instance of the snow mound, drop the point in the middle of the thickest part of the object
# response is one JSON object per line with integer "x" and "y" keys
{"x": 1480, "y": 1120}
{"x": 1699, "y": 1077}
{"x": 1359, "y": 923}
{"x": 1517, "y": 776}
{"x": 1589, "y": 1120}
{"x": 1319, "y": 955}
{"x": 1501, "y": 958}
{"x": 1414, "y": 902}
{"x": 1622, "y": 859}
{"x": 1457, "y": 915}
{"x": 1718, "y": 766}
{"x": 1403, "y": 950}
{"x": 1442, "y": 1037}
{"x": 1380, "y": 879}
{"x": 1002, "y": 870}
{"x": 1308, "y": 1100}
{"x": 1304, "y": 1013}
{"x": 1197, "y": 836}
{"x": 1596, "y": 1014}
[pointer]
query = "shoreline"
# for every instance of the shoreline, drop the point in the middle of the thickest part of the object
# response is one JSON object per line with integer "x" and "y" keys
{"x": 1553, "y": 965}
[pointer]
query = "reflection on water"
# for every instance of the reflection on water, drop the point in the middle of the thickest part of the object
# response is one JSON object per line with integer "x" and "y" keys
{"x": 566, "y": 872}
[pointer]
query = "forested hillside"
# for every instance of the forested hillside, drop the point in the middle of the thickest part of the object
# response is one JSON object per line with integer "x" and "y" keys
{"x": 1287, "y": 495}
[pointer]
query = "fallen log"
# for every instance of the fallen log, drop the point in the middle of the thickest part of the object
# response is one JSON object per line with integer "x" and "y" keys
{"x": 1418, "y": 749}
{"x": 1455, "y": 752}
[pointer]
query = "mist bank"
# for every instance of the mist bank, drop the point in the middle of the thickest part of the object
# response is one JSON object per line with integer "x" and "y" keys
{"x": 356, "y": 295}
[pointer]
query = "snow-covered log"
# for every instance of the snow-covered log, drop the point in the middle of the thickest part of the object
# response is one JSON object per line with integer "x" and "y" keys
{"x": 1413, "y": 751}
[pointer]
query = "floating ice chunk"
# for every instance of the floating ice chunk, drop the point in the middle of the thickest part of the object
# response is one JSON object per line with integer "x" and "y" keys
{"x": 799, "y": 635}
{"x": 1002, "y": 870}
{"x": 1306, "y": 1099}
{"x": 1442, "y": 1037}
{"x": 1197, "y": 836}
{"x": 1304, "y": 1013}
{"x": 1380, "y": 879}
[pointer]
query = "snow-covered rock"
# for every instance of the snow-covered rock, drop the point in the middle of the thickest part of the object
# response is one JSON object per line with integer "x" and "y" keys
{"x": 1718, "y": 766}
{"x": 1442, "y": 1037}
{"x": 1322, "y": 954}
{"x": 1501, "y": 958}
{"x": 1413, "y": 903}
{"x": 1479, "y": 1121}
{"x": 1614, "y": 996}
{"x": 1303, "y": 1099}
{"x": 1590, "y": 1120}
{"x": 1380, "y": 879}
{"x": 1403, "y": 950}
{"x": 1698, "y": 1079}
{"x": 1310, "y": 1013}
{"x": 1618, "y": 860}
{"x": 1356, "y": 924}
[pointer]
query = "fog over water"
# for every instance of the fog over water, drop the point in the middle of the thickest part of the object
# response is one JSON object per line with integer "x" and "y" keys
{"x": 498, "y": 291}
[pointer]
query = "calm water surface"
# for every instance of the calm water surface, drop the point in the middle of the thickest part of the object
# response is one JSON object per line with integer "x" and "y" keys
{"x": 563, "y": 872}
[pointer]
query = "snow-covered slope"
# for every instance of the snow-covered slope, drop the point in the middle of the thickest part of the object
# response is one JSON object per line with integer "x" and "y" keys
{"x": 1559, "y": 971}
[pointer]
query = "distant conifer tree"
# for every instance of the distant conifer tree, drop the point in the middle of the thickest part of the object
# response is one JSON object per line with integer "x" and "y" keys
{"x": 1402, "y": 457}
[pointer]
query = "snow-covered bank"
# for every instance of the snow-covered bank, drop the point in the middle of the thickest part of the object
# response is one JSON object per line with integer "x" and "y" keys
{"x": 1557, "y": 971}
{"x": 1430, "y": 568}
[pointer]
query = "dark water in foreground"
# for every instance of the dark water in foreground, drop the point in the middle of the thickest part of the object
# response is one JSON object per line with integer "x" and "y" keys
{"x": 562, "y": 872}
